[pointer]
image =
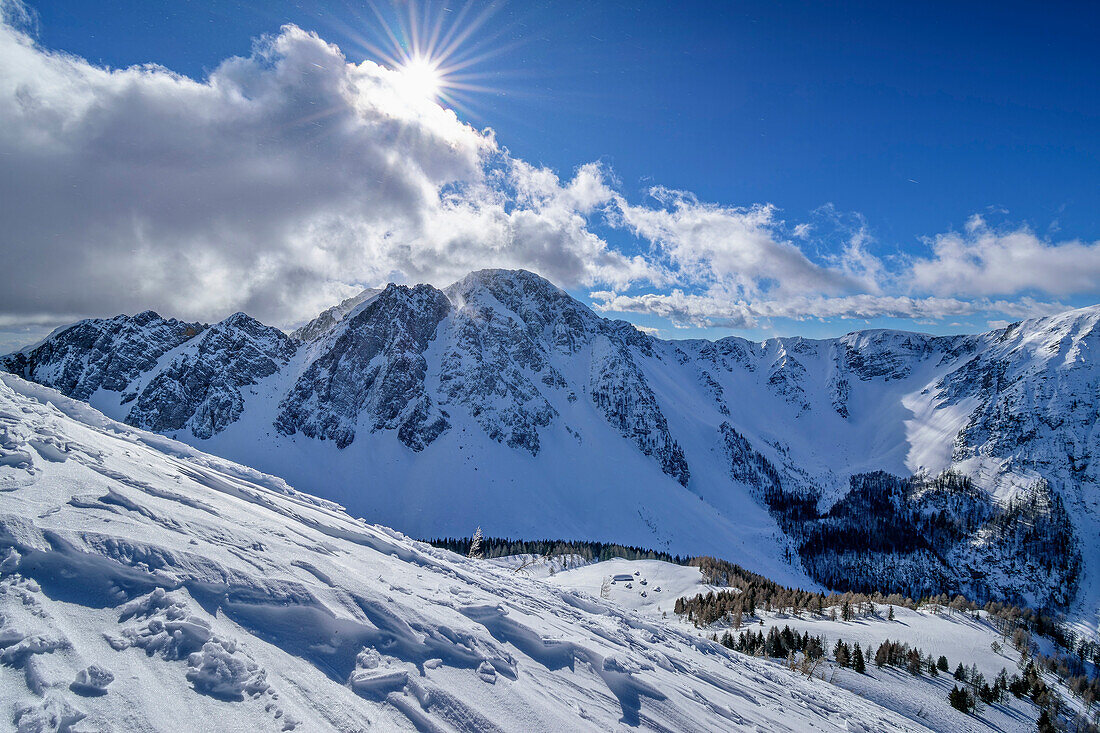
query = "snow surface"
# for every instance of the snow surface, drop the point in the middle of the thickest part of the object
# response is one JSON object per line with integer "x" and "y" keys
{"x": 961, "y": 637}
{"x": 562, "y": 424}
{"x": 663, "y": 583}
{"x": 145, "y": 585}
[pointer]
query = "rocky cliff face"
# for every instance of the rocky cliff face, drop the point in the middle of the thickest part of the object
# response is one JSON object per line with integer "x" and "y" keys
{"x": 326, "y": 321}
{"x": 101, "y": 353}
{"x": 501, "y": 384}
{"x": 374, "y": 372}
{"x": 199, "y": 386}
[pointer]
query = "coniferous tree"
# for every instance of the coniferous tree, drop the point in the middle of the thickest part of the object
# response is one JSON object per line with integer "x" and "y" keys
{"x": 1001, "y": 684}
{"x": 960, "y": 673}
{"x": 815, "y": 648}
{"x": 942, "y": 664}
{"x": 987, "y": 694}
{"x": 475, "y": 544}
{"x": 959, "y": 699}
{"x": 882, "y": 654}
{"x": 841, "y": 653}
{"x": 858, "y": 663}
{"x": 913, "y": 662}
{"x": 974, "y": 677}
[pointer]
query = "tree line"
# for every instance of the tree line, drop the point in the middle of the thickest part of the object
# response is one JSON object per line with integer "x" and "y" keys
{"x": 491, "y": 547}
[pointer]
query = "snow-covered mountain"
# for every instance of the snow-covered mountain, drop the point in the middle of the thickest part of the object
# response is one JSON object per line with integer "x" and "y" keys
{"x": 147, "y": 586}
{"x": 501, "y": 401}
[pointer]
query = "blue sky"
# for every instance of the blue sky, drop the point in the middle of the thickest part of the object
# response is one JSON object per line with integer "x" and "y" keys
{"x": 856, "y": 136}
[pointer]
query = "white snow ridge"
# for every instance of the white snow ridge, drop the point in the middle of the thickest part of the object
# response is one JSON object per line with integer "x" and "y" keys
{"x": 147, "y": 586}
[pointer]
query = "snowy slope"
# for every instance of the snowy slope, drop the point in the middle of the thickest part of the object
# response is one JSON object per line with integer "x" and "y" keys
{"x": 649, "y": 587}
{"x": 961, "y": 637}
{"x": 500, "y": 401}
{"x": 145, "y": 586}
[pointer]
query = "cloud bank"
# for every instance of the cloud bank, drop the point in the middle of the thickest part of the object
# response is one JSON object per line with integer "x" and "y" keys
{"x": 273, "y": 186}
{"x": 290, "y": 178}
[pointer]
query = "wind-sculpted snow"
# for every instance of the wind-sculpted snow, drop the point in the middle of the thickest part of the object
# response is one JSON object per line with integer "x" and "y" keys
{"x": 502, "y": 401}
{"x": 147, "y": 586}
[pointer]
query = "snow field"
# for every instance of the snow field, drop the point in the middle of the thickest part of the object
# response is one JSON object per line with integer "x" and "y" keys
{"x": 145, "y": 586}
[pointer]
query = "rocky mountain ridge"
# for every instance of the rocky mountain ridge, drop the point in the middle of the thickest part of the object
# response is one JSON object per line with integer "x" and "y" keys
{"x": 503, "y": 401}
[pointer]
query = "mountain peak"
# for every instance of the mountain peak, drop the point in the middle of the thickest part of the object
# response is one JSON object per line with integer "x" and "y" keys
{"x": 499, "y": 280}
{"x": 328, "y": 318}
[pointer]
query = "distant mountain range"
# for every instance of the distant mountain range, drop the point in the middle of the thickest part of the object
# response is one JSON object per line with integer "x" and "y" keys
{"x": 879, "y": 459}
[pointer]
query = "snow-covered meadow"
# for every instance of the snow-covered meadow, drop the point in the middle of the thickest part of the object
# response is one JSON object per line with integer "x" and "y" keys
{"x": 962, "y": 637}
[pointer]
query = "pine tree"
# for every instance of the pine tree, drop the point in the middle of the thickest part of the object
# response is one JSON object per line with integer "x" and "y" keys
{"x": 974, "y": 677}
{"x": 960, "y": 673}
{"x": 1000, "y": 685}
{"x": 858, "y": 663}
{"x": 882, "y": 654}
{"x": 959, "y": 699}
{"x": 890, "y": 615}
{"x": 913, "y": 662}
{"x": 942, "y": 664}
{"x": 475, "y": 544}
{"x": 987, "y": 694}
{"x": 841, "y": 653}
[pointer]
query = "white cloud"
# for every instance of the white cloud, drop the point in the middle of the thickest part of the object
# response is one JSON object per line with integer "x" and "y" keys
{"x": 982, "y": 261}
{"x": 738, "y": 250}
{"x": 680, "y": 308}
{"x": 275, "y": 186}
{"x": 705, "y": 311}
{"x": 289, "y": 178}
{"x": 137, "y": 187}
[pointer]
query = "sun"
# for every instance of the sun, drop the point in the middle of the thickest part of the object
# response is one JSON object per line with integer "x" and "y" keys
{"x": 421, "y": 77}
{"x": 437, "y": 52}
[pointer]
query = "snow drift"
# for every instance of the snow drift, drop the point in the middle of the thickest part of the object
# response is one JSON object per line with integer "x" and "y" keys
{"x": 145, "y": 585}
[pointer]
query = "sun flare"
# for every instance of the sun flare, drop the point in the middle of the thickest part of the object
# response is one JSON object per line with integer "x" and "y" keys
{"x": 438, "y": 53}
{"x": 421, "y": 77}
